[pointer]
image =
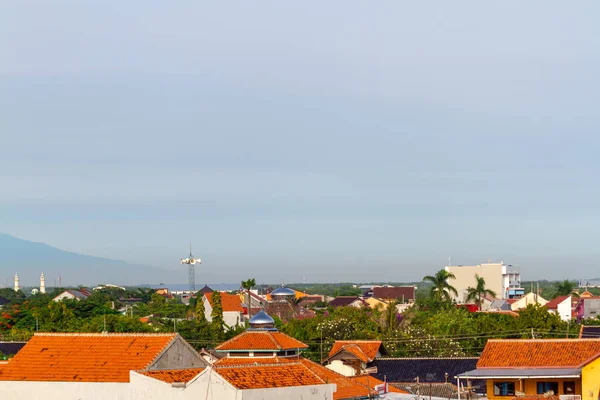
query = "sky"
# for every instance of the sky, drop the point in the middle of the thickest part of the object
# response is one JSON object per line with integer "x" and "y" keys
{"x": 318, "y": 142}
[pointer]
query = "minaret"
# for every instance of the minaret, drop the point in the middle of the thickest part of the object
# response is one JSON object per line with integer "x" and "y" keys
{"x": 17, "y": 288}
{"x": 42, "y": 284}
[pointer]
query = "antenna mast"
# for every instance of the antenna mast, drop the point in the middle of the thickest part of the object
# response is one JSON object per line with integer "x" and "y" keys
{"x": 191, "y": 262}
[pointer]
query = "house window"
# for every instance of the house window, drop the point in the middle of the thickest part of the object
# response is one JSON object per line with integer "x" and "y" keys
{"x": 504, "y": 388}
{"x": 545, "y": 387}
{"x": 569, "y": 387}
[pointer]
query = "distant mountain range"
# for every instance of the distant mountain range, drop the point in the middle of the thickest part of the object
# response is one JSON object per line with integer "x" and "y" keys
{"x": 30, "y": 259}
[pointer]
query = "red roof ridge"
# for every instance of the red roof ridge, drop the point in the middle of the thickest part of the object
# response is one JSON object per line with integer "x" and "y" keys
{"x": 546, "y": 340}
{"x": 104, "y": 334}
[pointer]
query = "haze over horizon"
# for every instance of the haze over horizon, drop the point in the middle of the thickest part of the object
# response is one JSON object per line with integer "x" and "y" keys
{"x": 319, "y": 142}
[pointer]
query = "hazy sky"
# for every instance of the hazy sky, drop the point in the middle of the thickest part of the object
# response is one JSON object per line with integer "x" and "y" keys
{"x": 325, "y": 141}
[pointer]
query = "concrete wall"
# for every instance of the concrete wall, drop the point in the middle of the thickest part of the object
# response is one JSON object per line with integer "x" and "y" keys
{"x": 179, "y": 355}
{"x": 231, "y": 318}
{"x": 12, "y": 390}
{"x": 529, "y": 387}
{"x": 591, "y": 308}
{"x": 465, "y": 278}
{"x": 320, "y": 392}
{"x": 590, "y": 381}
{"x": 529, "y": 298}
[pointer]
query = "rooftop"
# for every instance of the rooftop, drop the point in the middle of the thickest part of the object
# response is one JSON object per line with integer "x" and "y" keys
{"x": 230, "y": 302}
{"x": 538, "y": 353}
{"x": 173, "y": 375}
{"x": 84, "y": 357}
{"x": 267, "y": 340}
{"x": 364, "y": 350}
{"x": 268, "y": 375}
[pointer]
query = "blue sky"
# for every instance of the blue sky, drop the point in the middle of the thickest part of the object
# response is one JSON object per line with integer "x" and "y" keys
{"x": 326, "y": 142}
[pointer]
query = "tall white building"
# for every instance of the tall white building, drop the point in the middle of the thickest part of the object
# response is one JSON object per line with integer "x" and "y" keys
{"x": 42, "y": 284}
{"x": 17, "y": 287}
{"x": 503, "y": 279}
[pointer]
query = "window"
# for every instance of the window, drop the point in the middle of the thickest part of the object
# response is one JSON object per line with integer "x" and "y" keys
{"x": 569, "y": 388}
{"x": 504, "y": 388}
{"x": 545, "y": 387}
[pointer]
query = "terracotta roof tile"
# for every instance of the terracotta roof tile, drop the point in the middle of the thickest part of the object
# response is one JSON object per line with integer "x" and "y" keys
{"x": 230, "y": 302}
{"x": 84, "y": 357}
{"x": 261, "y": 340}
{"x": 345, "y": 387}
{"x": 553, "y": 304}
{"x": 370, "y": 382}
{"x": 268, "y": 375}
{"x": 539, "y": 353}
{"x": 173, "y": 375}
{"x": 364, "y": 350}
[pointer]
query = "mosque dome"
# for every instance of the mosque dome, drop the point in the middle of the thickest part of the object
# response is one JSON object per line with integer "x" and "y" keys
{"x": 283, "y": 292}
{"x": 262, "y": 320}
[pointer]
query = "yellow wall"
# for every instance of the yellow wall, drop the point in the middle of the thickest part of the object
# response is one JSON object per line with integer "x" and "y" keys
{"x": 529, "y": 386}
{"x": 590, "y": 377}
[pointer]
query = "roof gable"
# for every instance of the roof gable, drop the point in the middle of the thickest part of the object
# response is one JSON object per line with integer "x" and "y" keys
{"x": 535, "y": 353}
{"x": 553, "y": 304}
{"x": 364, "y": 350}
{"x": 84, "y": 357}
{"x": 252, "y": 340}
{"x": 343, "y": 301}
{"x": 230, "y": 302}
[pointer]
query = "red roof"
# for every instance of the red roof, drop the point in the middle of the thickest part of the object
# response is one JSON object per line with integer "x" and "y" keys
{"x": 230, "y": 302}
{"x": 553, "y": 304}
{"x": 542, "y": 353}
{"x": 261, "y": 340}
{"x": 84, "y": 357}
{"x": 258, "y": 376}
{"x": 364, "y": 350}
{"x": 173, "y": 375}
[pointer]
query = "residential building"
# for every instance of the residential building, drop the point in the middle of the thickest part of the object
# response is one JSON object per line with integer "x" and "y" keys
{"x": 529, "y": 298}
{"x": 561, "y": 305}
{"x": 504, "y": 280}
{"x": 71, "y": 294}
{"x": 90, "y": 365}
{"x": 262, "y": 345}
{"x": 538, "y": 368}
{"x": 351, "y": 357}
{"x": 348, "y": 301}
{"x": 233, "y": 311}
{"x": 403, "y": 294}
{"x": 587, "y": 307}
{"x": 374, "y": 303}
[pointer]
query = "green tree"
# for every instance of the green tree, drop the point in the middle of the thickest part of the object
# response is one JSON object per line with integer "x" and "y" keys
{"x": 217, "y": 324}
{"x": 249, "y": 284}
{"x": 200, "y": 309}
{"x": 478, "y": 292}
{"x": 564, "y": 288}
{"x": 441, "y": 289}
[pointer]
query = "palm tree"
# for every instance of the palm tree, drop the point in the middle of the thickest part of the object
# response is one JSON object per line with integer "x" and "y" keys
{"x": 249, "y": 284}
{"x": 478, "y": 292}
{"x": 441, "y": 288}
{"x": 564, "y": 288}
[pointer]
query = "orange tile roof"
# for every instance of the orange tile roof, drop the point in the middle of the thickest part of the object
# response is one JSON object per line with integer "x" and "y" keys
{"x": 364, "y": 350}
{"x": 345, "y": 387}
{"x": 553, "y": 304}
{"x": 544, "y": 353}
{"x": 268, "y": 375}
{"x": 84, "y": 357}
{"x": 252, "y": 340}
{"x": 230, "y": 302}
{"x": 370, "y": 382}
{"x": 173, "y": 375}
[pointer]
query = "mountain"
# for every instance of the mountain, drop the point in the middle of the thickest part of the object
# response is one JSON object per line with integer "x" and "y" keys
{"x": 30, "y": 259}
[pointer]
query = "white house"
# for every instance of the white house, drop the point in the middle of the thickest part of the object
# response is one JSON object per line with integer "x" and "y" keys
{"x": 529, "y": 298}
{"x": 233, "y": 311}
{"x": 561, "y": 306}
{"x": 72, "y": 294}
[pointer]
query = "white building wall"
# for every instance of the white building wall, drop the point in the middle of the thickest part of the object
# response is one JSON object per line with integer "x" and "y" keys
{"x": 231, "y": 318}
{"x": 339, "y": 367}
{"x": 320, "y": 392}
{"x": 564, "y": 309}
{"x": 20, "y": 390}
